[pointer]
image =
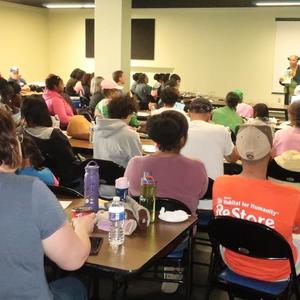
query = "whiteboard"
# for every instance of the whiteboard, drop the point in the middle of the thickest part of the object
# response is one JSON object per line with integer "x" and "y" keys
{"x": 287, "y": 42}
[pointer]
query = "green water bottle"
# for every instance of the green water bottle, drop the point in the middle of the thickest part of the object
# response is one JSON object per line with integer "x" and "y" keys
{"x": 148, "y": 194}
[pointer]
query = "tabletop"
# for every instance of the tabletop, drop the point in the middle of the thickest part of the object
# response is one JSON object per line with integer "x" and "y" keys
{"x": 141, "y": 248}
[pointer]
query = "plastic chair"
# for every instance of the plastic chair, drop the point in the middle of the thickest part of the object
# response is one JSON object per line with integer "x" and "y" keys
{"x": 65, "y": 192}
{"x": 257, "y": 241}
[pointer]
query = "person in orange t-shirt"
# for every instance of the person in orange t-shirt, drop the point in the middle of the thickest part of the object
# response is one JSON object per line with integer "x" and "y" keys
{"x": 251, "y": 197}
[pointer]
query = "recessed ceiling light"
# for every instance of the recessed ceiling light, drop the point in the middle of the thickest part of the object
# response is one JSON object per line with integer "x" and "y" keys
{"x": 70, "y": 5}
{"x": 289, "y": 3}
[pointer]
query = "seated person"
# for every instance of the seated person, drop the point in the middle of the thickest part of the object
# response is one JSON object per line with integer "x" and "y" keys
{"x": 10, "y": 99}
{"x": 208, "y": 142}
{"x": 17, "y": 78}
{"x": 251, "y": 197}
{"x": 227, "y": 115}
{"x": 177, "y": 176}
{"x": 75, "y": 76}
{"x": 135, "y": 78}
{"x": 109, "y": 91}
{"x": 169, "y": 96}
{"x": 244, "y": 110}
{"x": 96, "y": 93}
{"x": 119, "y": 79}
{"x": 143, "y": 90}
{"x": 289, "y": 138}
{"x": 56, "y": 103}
{"x": 113, "y": 139}
{"x": 33, "y": 224}
{"x": 32, "y": 161}
{"x": 53, "y": 144}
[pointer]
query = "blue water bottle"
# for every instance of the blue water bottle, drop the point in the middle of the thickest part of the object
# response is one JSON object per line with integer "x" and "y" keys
{"x": 91, "y": 186}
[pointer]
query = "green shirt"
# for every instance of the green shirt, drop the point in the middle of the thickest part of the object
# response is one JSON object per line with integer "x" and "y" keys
{"x": 228, "y": 117}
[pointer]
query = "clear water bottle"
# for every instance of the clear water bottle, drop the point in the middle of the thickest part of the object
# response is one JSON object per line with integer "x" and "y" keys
{"x": 116, "y": 213}
{"x": 148, "y": 194}
{"x": 91, "y": 186}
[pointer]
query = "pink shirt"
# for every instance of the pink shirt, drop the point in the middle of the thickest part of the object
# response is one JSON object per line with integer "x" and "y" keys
{"x": 177, "y": 177}
{"x": 57, "y": 105}
{"x": 286, "y": 139}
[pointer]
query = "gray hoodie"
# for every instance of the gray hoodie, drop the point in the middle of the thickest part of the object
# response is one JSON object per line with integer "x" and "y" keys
{"x": 114, "y": 140}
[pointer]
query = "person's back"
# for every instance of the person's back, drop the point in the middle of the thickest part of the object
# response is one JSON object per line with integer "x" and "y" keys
{"x": 258, "y": 201}
{"x": 25, "y": 219}
{"x": 251, "y": 197}
{"x": 177, "y": 176}
{"x": 113, "y": 139}
{"x": 208, "y": 143}
{"x": 289, "y": 138}
{"x": 227, "y": 115}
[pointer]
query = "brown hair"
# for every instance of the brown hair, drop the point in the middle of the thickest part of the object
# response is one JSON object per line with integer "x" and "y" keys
{"x": 116, "y": 75}
{"x": 121, "y": 107}
{"x": 9, "y": 146}
{"x": 294, "y": 113}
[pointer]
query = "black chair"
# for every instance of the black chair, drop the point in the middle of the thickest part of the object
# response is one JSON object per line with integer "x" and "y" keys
{"x": 277, "y": 172}
{"x": 257, "y": 241}
{"x": 108, "y": 170}
{"x": 180, "y": 257}
{"x": 64, "y": 192}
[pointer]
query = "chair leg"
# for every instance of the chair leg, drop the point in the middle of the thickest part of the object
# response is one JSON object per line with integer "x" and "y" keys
{"x": 231, "y": 297}
{"x": 189, "y": 270}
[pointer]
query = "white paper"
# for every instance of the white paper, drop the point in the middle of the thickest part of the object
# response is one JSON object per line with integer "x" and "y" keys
{"x": 149, "y": 148}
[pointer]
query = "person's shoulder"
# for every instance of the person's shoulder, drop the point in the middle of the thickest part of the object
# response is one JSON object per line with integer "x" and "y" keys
{"x": 191, "y": 162}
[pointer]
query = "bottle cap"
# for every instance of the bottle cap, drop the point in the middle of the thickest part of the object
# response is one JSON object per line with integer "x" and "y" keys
{"x": 122, "y": 183}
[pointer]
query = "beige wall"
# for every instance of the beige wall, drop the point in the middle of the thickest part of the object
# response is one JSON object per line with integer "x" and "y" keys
{"x": 216, "y": 50}
{"x": 67, "y": 41}
{"x": 24, "y": 40}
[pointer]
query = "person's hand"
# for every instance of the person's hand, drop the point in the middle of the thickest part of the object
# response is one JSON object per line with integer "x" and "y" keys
{"x": 85, "y": 223}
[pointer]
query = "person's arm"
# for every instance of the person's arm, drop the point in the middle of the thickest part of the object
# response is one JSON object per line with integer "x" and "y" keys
{"x": 66, "y": 247}
{"x": 296, "y": 228}
{"x": 59, "y": 109}
{"x": 70, "y": 248}
{"x": 233, "y": 156}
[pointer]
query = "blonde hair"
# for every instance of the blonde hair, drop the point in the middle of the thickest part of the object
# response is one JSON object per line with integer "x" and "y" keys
{"x": 96, "y": 85}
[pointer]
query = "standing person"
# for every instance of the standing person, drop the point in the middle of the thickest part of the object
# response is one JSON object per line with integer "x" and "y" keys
{"x": 208, "y": 142}
{"x": 17, "y": 78}
{"x": 227, "y": 115}
{"x": 177, "y": 176}
{"x": 289, "y": 138}
{"x": 290, "y": 78}
{"x": 119, "y": 78}
{"x": 252, "y": 197}
{"x": 56, "y": 103}
{"x": 143, "y": 91}
{"x": 96, "y": 93}
{"x": 37, "y": 227}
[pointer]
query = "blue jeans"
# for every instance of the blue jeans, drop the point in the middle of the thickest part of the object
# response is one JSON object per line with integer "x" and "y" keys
{"x": 68, "y": 288}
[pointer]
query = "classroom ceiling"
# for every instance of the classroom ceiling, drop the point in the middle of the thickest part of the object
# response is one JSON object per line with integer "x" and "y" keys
{"x": 154, "y": 3}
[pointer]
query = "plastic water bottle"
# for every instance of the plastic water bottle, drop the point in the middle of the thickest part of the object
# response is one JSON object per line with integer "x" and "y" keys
{"x": 91, "y": 186}
{"x": 91, "y": 129}
{"x": 148, "y": 194}
{"x": 122, "y": 188}
{"x": 116, "y": 213}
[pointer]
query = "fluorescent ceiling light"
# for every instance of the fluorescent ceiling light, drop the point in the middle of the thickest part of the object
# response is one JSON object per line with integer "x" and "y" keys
{"x": 290, "y": 3}
{"x": 66, "y": 5}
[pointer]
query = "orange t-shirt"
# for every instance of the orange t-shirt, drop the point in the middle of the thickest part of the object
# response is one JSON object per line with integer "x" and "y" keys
{"x": 262, "y": 201}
